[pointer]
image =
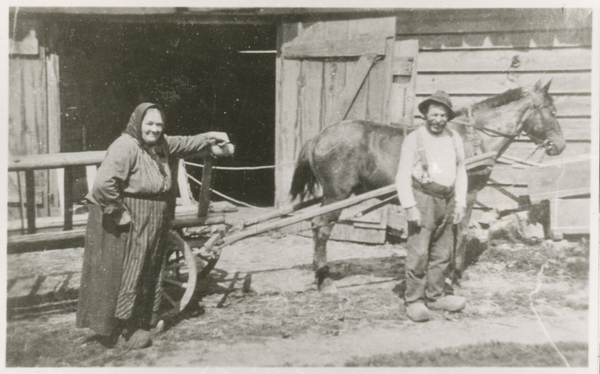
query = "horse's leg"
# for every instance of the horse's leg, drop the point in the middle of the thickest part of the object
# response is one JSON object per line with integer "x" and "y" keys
{"x": 462, "y": 238}
{"x": 322, "y": 226}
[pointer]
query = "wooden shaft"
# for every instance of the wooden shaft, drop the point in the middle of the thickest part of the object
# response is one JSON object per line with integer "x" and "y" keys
{"x": 229, "y": 289}
{"x": 68, "y": 203}
{"x": 375, "y": 206}
{"x": 259, "y": 229}
{"x": 30, "y": 200}
{"x": 283, "y": 211}
{"x": 204, "y": 198}
{"x": 180, "y": 223}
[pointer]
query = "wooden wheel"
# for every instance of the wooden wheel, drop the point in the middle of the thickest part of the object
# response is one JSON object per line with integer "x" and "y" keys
{"x": 182, "y": 270}
{"x": 179, "y": 275}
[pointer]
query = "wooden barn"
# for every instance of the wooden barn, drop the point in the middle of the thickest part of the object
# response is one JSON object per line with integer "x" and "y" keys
{"x": 273, "y": 78}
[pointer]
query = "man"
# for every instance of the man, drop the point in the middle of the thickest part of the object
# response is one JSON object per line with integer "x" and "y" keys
{"x": 432, "y": 187}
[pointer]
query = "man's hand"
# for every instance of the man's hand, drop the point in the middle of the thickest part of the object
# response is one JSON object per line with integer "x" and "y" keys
{"x": 413, "y": 216}
{"x": 459, "y": 214}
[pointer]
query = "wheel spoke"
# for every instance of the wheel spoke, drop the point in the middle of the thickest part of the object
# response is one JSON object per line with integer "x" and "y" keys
{"x": 177, "y": 283}
{"x": 174, "y": 266}
{"x": 169, "y": 299}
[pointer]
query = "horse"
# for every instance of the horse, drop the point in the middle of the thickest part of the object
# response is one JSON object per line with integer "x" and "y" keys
{"x": 357, "y": 156}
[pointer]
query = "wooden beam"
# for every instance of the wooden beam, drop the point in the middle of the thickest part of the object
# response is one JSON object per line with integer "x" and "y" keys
{"x": 482, "y": 83}
{"x": 68, "y": 203}
{"x": 30, "y": 200}
{"x": 501, "y": 60}
{"x": 204, "y": 198}
{"x": 55, "y": 160}
{"x": 334, "y": 48}
{"x": 283, "y": 211}
{"x": 503, "y": 190}
{"x": 507, "y": 40}
{"x": 486, "y": 21}
{"x": 350, "y": 92}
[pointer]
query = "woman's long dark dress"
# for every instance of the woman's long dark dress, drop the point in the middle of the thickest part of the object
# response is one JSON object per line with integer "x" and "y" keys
{"x": 122, "y": 264}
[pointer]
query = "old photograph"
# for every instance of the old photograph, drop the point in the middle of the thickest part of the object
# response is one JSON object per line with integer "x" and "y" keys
{"x": 329, "y": 186}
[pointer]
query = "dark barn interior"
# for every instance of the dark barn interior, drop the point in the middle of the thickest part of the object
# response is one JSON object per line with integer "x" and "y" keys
{"x": 206, "y": 77}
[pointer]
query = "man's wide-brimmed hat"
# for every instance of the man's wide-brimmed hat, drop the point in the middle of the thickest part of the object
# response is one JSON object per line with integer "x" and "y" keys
{"x": 439, "y": 97}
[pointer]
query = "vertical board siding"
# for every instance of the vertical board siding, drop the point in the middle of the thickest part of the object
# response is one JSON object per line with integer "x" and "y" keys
{"x": 469, "y": 53}
{"x": 286, "y": 128}
{"x": 334, "y": 75}
{"x": 310, "y": 100}
{"x": 28, "y": 124}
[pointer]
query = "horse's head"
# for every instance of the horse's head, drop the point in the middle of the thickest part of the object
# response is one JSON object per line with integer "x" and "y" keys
{"x": 540, "y": 122}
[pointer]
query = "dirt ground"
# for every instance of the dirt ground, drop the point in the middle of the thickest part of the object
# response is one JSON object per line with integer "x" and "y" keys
{"x": 518, "y": 314}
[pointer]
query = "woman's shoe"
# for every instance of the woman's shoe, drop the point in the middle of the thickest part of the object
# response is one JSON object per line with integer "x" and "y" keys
{"x": 138, "y": 340}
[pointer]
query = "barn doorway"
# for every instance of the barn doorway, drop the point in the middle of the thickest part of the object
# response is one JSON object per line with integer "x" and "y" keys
{"x": 206, "y": 77}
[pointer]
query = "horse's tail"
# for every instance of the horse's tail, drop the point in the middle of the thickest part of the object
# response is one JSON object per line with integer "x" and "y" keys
{"x": 304, "y": 180}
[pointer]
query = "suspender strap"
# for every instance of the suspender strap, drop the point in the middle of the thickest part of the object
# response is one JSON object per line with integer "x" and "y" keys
{"x": 422, "y": 153}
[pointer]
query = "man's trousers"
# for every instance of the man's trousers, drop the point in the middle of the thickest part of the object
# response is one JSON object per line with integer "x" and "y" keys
{"x": 429, "y": 248}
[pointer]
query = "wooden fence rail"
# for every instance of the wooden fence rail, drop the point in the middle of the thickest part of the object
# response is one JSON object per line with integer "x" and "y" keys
{"x": 68, "y": 161}
{"x": 65, "y": 161}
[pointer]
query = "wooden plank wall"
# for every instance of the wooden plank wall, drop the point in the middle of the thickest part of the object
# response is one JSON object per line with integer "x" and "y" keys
{"x": 27, "y": 129}
{"x": 468, "y": 53}
{"x": 309, "y": 90}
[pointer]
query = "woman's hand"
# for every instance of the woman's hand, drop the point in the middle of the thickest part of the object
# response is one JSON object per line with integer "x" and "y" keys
{"x": 125, "y": 219}
{"x": 217, "y": 137}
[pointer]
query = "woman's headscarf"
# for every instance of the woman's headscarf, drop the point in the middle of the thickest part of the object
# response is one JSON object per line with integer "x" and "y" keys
{"x": 158, "y": 151}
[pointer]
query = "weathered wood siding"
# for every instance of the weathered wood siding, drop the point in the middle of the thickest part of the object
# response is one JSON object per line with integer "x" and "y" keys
{"x": 313, "y": 85}
{"x": 468, "y": 54}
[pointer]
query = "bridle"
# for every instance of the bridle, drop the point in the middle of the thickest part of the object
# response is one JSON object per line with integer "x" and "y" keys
{"x": 517, "y": 133}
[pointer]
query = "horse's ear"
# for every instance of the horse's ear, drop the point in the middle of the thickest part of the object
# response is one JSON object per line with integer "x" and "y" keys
{"x": 537, "y": 85}
{"x": 547, "y": 86}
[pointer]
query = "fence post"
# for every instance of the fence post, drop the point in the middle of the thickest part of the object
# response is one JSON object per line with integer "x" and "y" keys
{"x": 30, "y": 200}
{"x": 68, "y": 203}
{"x": 204, "y": 198}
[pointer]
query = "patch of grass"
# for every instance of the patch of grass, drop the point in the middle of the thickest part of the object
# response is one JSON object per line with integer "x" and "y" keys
{"x": 493, "y": 354}
{"x": 571, "y": 261}
{"x": 514, "y": 301}
{"x": 64, "y": 346}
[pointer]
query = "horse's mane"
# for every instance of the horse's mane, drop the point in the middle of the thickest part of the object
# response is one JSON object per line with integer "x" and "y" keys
{"x": 496, "y": 100}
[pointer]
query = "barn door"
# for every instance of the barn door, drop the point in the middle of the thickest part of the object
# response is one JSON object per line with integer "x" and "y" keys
{"x": 328, "y": 71}
{"x": 34, "y": 119}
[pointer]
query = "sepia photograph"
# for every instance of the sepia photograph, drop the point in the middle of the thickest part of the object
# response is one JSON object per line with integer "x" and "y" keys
{"x": 301, "y": 187}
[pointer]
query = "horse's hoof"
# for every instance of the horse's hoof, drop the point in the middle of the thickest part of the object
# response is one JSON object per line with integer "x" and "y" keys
{"x": 328, "y": 287}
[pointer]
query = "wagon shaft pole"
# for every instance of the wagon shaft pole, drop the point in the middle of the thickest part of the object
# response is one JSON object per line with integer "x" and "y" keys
{"x": 259, "y": 229}
{"x": 283, "y": 211}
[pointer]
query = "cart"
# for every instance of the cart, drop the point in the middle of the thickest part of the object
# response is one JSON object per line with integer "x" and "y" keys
{"x": 189, "y": 259}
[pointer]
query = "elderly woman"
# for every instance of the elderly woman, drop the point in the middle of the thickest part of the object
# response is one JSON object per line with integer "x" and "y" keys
{"x": 129, "y": 210}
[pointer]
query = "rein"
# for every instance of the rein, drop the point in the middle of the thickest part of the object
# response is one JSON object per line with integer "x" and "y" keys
{"x": 496, "y": 134}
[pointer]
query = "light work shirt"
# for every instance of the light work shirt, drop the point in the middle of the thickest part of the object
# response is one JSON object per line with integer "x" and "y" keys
{"x": 446, "y": 165}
